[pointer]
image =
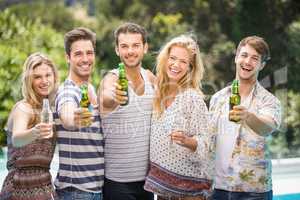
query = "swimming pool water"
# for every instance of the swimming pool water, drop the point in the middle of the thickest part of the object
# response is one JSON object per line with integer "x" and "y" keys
{"x": 287, "y": 197}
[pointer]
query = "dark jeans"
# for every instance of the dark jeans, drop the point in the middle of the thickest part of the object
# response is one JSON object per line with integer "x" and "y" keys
{"x": 227, "y": 195}
{"x": 125, "y": 191}
{"x": 71, "y": 193}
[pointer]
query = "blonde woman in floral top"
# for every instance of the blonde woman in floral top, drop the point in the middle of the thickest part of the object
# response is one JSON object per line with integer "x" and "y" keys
{"x": 243, "y": 165}
{"x": 180, "y": 166}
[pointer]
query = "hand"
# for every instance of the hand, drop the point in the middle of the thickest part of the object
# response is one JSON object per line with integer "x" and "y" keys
{"x": 182, "y": 139}
{"x": 43, "y": 130}
{"x": 83, "y": 117}
{"x": 119, "y": 95}
{"x": 239, "y": 113}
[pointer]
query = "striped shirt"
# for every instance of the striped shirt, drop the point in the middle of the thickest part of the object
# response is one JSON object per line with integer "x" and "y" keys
{"x": 127, "y": 136}
{"x": 81, "y": 157}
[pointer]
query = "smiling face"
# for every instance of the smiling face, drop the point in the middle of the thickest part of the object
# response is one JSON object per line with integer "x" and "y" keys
{"x": 248, "y": 64}
{"x": 43, "y": 80}
{"x": 131, "y": 49}
{"x": 81, "y": 60}
{"x": 178, "y": 63}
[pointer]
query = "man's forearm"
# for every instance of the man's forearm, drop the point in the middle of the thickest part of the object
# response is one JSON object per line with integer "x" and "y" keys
{"x": 67, "y": 116}
{"x": 261, "y": 125}
{"x": 107, "y": 103}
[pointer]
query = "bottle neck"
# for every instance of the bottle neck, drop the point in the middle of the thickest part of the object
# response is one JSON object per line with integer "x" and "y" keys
{"x": 122, "y": 73}
{"x": 235, "y": 90}
{"x": 46, "y": 105}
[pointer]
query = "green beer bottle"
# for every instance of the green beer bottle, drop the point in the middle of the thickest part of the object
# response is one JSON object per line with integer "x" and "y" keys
{"x": 85, "y": 102}
{"x": 235, "y": 98}
{"x": 123, "y": 82}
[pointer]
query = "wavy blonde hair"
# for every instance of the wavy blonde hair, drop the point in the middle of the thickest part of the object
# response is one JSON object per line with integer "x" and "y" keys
{"x": 30, "y": 96}
{"x": 192, "y": 79}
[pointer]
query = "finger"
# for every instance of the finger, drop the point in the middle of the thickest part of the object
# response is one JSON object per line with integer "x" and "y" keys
{"x": 232, "y": 112}
{"x": 46, "y": 128}
{"x": 78, "y": 110}
{"x": 81, "y": 111}
{"x": 86, "y": 115}
{"x": 86, "y": 122}
{"x": 118, "y": 86}
{"x": 121, "y": 99}
{"x": 236, "y": 113}
{"x": 38, "y": 126}
{"x": 48, "y": 135}
{"x": 239, "y": 107}
{"x": 82, "y": 115}
{"x": 178, "y": 137}
{"x": 121, "y": 93}
{"x": 46, "y": 125}
{"x": 84, "y": 110}
{"x": 89, "y": 120}
{"x": 44, "y": 133}
{"x": 233, "y": 115}
{"x": 179, "y": 142}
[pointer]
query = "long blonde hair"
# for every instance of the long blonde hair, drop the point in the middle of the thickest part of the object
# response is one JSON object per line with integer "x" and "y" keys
{"x": 33, "y": 61}
{"x": 192, "y": 79}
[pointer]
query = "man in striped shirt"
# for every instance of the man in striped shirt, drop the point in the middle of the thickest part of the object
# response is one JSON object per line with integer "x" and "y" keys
{"x": 127, "y": 128}
{"x": 80, "y": 140}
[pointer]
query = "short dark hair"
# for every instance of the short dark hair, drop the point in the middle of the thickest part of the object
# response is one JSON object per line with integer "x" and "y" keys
{"x": 76, "y": 34}
{"x": 259, "y": 44}
{"x": 130, "y": 27}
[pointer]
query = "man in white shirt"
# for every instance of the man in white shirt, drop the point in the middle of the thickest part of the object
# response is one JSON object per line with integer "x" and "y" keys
{"x": 243, "y": 164}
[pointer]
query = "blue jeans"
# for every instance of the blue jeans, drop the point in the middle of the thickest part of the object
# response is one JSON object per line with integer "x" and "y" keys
{"x": 71, "y": 193}
{"x": 227, "y": 195}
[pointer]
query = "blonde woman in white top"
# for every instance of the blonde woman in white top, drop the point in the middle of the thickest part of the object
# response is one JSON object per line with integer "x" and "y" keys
{"x": 180, "y": 166}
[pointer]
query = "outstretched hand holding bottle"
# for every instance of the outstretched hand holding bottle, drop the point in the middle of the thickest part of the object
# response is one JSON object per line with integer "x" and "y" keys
{"x": 238, "y": 113}
{"x": 113, "y": 90}
{"x": 121, "y": 87}
{"x": 83, "y": 115}
{"x": 44, "y": 129}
